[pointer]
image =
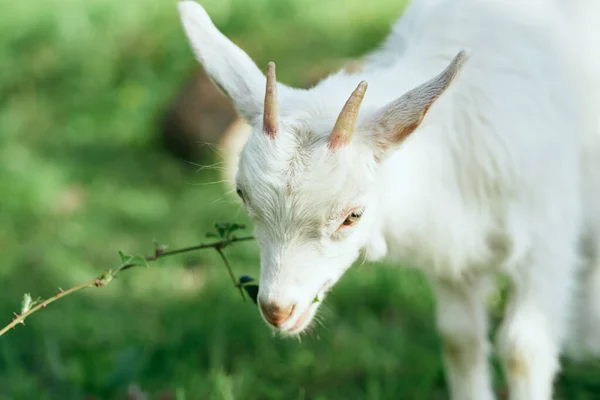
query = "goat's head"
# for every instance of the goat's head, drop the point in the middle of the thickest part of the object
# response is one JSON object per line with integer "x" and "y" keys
{"x": 307, "y": 175}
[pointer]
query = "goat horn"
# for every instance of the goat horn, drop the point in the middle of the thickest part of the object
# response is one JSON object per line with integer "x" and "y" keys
{"x": 270, "y": 126}
{"x": 344, "y": 126}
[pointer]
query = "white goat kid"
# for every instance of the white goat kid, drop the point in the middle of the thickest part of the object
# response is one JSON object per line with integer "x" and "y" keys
{"x": 463, "y": 173}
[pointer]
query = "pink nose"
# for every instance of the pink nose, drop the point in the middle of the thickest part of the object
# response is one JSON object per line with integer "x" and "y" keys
{"x": 274, "y": 313}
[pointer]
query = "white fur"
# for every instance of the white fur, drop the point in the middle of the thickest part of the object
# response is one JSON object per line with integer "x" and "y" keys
{"x": 495, "y": 180}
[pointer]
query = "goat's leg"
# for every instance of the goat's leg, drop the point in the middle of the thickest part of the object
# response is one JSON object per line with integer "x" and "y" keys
{"x": 462, "y": 324}
{"x": 588, "y": 318}
{"x": 534, "y": 327}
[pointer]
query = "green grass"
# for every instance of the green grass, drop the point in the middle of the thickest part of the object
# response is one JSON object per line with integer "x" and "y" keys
{"x": 81, "y": 90}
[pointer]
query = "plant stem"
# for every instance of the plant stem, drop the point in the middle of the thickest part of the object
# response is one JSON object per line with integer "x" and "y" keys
{"x": 20, "y": 319}
{"x": 213, "y": 245}
{"x": 107, "y": 276}
{"x": 235, "y": 283}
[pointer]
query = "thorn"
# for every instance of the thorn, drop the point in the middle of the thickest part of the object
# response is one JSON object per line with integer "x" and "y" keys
{"x": 44, "y": 305}
{"x": 158, "y": 250}
{"x": 61, "y": 290}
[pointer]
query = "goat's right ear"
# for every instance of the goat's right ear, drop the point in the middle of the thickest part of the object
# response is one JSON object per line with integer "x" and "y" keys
{"x": 229, "y": 67}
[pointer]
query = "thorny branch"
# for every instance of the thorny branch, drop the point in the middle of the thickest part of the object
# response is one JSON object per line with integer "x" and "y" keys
{"x": 224, "y": 232}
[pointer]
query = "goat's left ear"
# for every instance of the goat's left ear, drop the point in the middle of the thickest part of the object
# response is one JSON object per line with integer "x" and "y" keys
{"x": 394, "y": 122}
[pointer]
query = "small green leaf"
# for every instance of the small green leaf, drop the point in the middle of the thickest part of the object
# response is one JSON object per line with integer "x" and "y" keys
{"x": 140, "y": 260}
{"x": 245, "y": 279}
{"x": 252, "y": 291}
{"x": 236, "y": 227}
{"x": 124, "y": 257}
{"x": 106, "y": 277}
{"x": 224, "y": 230}
{"x": 135, "y": 260}
{"x": 211, "y": 235}
{"x": 26, "y": 303}
{"x": 316, "y": 299}
{"x": 221, "y": 229}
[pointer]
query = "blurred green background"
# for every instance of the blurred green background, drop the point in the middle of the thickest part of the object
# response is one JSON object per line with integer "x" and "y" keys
{"x": 84, "y": 86}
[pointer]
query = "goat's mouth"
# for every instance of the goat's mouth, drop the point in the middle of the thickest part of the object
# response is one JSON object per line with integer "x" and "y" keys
{"x": 302, "y": 317}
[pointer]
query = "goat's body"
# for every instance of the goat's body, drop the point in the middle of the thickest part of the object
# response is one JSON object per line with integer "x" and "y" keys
{"x": 495, "y": 181}
{"x": 496, "y": 178}
{"x": 504, "y": 177}
{"x": 477, "y": 187}
{"x": 584, "y": 16}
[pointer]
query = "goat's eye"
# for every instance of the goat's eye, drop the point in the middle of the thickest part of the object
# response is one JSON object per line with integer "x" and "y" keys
{"x": 240, "y": 193}
{"x": 352, "y": 218}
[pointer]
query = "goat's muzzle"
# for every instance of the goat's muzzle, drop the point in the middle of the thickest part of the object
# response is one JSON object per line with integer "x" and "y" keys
{"x": 274, "y": 313}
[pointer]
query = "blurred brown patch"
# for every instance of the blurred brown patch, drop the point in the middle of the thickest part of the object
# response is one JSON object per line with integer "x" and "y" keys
{"x": 71, "y": 199}
{"x": 166, "y": 395}
{"x": 192, "y": 280}
{"x": 135, "y": 393}
{"x": 198, "y": 116}
{"x": 503, "y": 394}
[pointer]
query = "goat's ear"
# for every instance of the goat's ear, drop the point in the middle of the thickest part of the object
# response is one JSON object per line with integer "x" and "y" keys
{"x": 394, "y": 122}
{"x": 228, "y": 66}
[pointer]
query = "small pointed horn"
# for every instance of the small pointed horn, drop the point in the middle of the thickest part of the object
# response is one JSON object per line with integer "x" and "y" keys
{"x": 270, "y": 126}
{"x": 344, "y": 126}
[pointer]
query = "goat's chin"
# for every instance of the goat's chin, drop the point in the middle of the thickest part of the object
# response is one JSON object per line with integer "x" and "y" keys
{"x": 302, "y": 318}
{"x": 300, "y": 321}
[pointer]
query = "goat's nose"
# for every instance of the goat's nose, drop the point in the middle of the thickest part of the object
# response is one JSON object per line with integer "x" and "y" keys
{"x": 274, "y": 313}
